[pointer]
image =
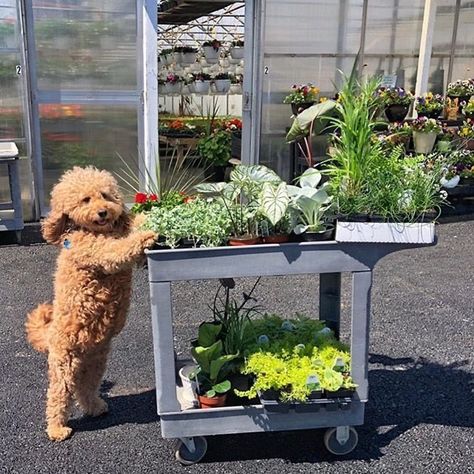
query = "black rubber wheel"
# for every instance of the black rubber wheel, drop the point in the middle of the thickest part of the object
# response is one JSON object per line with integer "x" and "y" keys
{"x": 186, "y": 457}
{"x": 333, "y": 445}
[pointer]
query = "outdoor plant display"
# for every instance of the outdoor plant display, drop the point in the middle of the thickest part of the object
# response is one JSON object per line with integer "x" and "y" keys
{"x": 429, "y": 105}
{"x": 301, "y": 97}
{"x": 396, "y": 102}
{"x": 425, "y": 131}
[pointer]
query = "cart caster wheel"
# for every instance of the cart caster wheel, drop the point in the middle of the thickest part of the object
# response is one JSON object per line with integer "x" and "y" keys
{"x": 342, "y": 444}
{"x": 185, "y": 453}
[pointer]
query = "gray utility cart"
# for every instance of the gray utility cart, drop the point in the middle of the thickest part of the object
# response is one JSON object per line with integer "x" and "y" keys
{"x": 329, "y": 259}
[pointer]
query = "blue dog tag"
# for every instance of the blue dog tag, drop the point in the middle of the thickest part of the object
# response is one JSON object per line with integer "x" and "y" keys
{"x": 67, "y": 244}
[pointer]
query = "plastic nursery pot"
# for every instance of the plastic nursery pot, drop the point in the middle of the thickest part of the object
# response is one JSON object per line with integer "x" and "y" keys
{"x": 213, "y": 402}
{"x": 188, "y": 243}
{"x": 189, "y": 386}
{"x": 215, "y": 174}
{"x": 341, "y": 393}
{"x": 276, "y": 239}
{"x": 318, "y": 236}
{"x": 244, "y": 240}
{"x": 396, "y": 112}
{"x": 298, "y": 108}
{"x": 424, "y": 142}
{"x": 353, "y": 218}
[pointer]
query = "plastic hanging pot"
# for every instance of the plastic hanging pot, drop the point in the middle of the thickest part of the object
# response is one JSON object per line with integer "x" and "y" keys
{"x": 424, "y": 142}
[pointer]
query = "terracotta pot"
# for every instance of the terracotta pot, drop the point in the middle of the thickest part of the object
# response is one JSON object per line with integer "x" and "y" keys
{"x": 214, "y": 402}
{"x": 276, "y": 239}
{"x": 244, "y": 240}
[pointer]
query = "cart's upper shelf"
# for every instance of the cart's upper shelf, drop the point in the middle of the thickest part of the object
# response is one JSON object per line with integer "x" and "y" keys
{"x": 180, "y": 12}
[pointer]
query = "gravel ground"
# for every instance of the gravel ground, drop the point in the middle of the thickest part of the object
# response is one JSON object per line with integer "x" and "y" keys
{"x": 420, "y": 417}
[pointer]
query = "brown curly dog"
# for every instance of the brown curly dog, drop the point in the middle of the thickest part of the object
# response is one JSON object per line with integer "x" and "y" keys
{"x": 91, "y": 290}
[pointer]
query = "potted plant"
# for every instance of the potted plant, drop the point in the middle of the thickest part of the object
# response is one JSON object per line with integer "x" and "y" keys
{"x": 241, "y": 198}
{"x": 311, "y": 204}
{"x": 429, "y": 105}
{"x": 215, "y": 148}
{"x": 451, "y": 178}
{"x": 211, "y": 374}
{"x": 173, "y": 83}
{"x": 222, "y": 82}
{"x": 466, "y": 133}
{"x": 211, "y": 50}
{"x": 166, "y": 56}
{"x": 396, "y": 102}
{"x": 237, "y": 49}
{"x": 186, "y": 54}
{"x": 202, "y": 82}
{"x": 236, "y": 83}
{"x": 425, "y": 131}
{"x": 468, "y": 109}
{"x": 186, "y": 374}
{"x": 462, "y": 90}
{"x": 301, "y": 97}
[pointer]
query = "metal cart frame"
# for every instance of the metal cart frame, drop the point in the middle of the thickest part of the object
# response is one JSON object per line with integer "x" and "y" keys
{"x": 328, "y": 259}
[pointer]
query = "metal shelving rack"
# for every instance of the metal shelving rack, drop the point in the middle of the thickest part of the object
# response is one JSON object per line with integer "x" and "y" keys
{"x": 328, "y": 259}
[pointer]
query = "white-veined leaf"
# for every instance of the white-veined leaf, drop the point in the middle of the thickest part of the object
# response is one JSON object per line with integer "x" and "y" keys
{"x": 274, "y": 201}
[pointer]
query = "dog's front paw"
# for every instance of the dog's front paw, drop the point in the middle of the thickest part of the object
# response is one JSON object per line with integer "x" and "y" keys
{"x": 100, "y": 408}
{"x": 147, "y": 239}
{"x": 58, "y": 433}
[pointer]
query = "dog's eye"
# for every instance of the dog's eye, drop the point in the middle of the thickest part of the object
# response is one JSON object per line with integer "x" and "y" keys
{"x": 86, "y": 200}
{"x": 105, "y": 196}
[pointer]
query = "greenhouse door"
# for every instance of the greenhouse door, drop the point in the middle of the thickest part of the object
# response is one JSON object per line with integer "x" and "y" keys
{"x": 86, "y": 61}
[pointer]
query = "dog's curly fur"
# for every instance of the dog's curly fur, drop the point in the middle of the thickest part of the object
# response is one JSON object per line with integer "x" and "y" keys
{"x": 91, "y": 293}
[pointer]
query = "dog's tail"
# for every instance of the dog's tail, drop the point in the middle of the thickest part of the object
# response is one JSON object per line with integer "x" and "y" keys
{"x": 37, "y": 326}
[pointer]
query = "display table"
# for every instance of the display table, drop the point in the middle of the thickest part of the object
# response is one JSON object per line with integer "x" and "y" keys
{"x": 328, "y": 259}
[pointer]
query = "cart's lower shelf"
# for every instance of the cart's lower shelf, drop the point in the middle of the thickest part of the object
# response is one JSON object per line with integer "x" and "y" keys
{"x": 254, "y": 418}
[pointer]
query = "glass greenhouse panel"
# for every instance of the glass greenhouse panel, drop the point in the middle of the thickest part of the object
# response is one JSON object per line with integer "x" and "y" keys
{"x": 463, "y": 65}
{"x": 86, "y": 45}
{"x": 82, "y": 135}
{"x": 392, "y": 40}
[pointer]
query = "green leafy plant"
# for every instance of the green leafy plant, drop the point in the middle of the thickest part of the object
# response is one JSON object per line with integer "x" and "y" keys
{"x": 461, "y": 88}
{"x": 206, "y": 224}
{"x": 393, "y": 95}
{"x": 429, "y": 103}
{"x": 241, "y": 196}
{"x": 213, "y": 369}
{"x": 310, "y": 202}
{"x": 426, "y": 125}
{"x": 215, "y": 148}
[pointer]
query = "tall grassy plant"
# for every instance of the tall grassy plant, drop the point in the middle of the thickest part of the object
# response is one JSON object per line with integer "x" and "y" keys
{"x": 354, "y": 151}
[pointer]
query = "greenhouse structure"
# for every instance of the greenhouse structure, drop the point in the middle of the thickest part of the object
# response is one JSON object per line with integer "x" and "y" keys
{"x": 80, "y": 77}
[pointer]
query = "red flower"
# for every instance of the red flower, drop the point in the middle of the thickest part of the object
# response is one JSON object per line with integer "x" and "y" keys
{"x": 140, "y": 198}
{"x": 188, "y": 199}
{"x": 153, "y": 197}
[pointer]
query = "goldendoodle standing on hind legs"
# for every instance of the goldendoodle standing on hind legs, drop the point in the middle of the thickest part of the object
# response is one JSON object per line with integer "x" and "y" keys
{"x": 88, "y": 220}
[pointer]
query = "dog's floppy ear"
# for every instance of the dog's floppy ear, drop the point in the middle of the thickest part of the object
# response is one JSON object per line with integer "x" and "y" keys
{"x": 54, "y": 227}
{"x": 124, "y": 222}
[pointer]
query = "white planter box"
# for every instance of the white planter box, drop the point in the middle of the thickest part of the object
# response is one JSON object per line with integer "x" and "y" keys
{"x": 386, "y": 232}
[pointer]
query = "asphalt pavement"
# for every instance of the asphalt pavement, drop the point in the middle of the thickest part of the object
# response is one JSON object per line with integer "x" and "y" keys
{"x": 420, "y": 418}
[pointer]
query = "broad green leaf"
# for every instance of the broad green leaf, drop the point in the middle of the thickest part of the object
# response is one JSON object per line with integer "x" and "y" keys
{"x": 222, "y": 387}
{"x": 317, "y": 113}
{"x": 310, "y": 178}
{"x": 212, "y": 189}
{"x": 274, "y": 201}
{"x": 217, "y": 364}
{"x": 204, "y": 355}
{"x": 208, "y": 333}
{"x": 211, "y": 393}
{"x": 255, "y": 173}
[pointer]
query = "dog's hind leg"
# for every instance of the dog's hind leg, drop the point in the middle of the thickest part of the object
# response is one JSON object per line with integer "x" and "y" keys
{"x": 59, "y": 396}
{"x": 88, "y": 379}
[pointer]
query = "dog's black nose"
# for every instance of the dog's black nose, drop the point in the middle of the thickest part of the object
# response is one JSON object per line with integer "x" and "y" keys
{"x": 102, "y": 213}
